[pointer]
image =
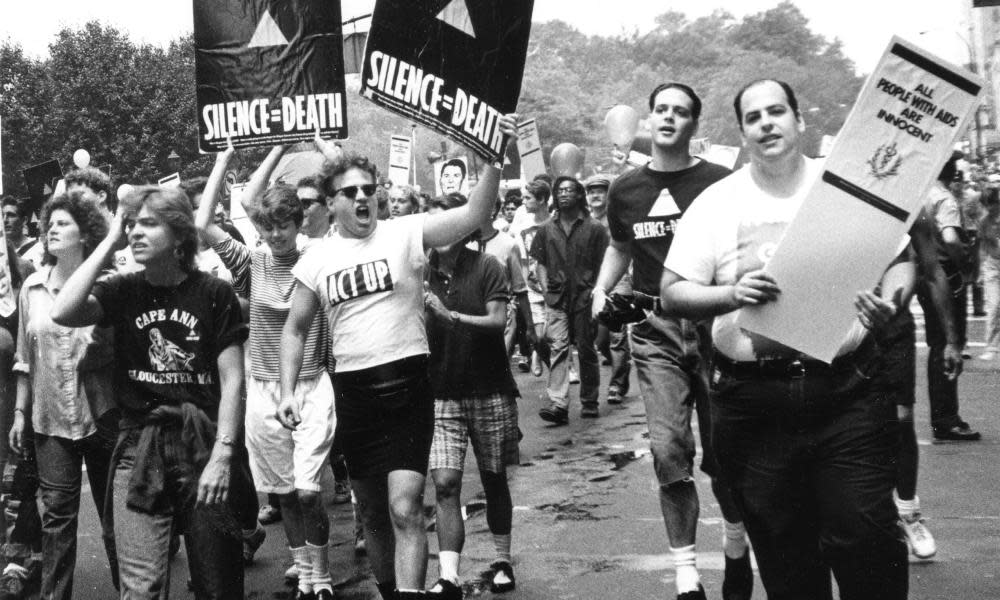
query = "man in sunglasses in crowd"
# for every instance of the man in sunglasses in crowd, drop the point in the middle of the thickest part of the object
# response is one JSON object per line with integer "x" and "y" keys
{"x": 368, "y": 277}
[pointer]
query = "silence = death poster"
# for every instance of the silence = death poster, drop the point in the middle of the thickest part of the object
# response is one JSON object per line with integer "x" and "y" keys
{"x": 268, "y": 72}
{"x": 452, "y": 65}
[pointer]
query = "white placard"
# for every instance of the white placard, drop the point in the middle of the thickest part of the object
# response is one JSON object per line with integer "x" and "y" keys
{"x": 892, "y": 147}
{"x": 239, "y": 216}
{"x": 400, "y": 154}
{"x": 529, "y": 146}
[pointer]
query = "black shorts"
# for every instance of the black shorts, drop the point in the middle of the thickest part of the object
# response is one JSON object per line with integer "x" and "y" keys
{"x": 385, "y": 417}
{"x": 896, "y": 376}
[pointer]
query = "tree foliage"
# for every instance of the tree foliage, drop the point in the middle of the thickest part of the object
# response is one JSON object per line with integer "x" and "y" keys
{"x": 132, "y": 104}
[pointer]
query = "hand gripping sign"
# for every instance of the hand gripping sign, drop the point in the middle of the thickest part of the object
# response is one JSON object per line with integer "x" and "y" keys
{"x": 891, "y": 149}
{"x": 268, "y": 72}
{"x": 453, "y": 66}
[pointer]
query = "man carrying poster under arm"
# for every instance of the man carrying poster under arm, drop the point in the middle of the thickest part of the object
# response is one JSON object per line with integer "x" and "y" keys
{"x": 805, "y": 446}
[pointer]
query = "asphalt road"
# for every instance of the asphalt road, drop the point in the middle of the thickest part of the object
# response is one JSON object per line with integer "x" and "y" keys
{"x": 588, "y": 527}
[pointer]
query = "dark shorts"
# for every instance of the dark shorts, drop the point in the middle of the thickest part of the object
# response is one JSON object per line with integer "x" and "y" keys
{"x": 385, "y": 417}
{"x": 896, "y": 376}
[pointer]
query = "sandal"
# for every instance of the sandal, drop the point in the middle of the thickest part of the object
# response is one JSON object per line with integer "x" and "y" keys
{"x": 501, "y": 566}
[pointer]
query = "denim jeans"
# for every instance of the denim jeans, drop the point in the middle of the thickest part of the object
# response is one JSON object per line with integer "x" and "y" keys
{"x": 212, "y": 538}
{"x": 577, "y": 328}
{"x": 941, "y": 391}
{"x": 811, "y": 463}
{"x": 671, "y": 360}
{"x": 59, "y": 477}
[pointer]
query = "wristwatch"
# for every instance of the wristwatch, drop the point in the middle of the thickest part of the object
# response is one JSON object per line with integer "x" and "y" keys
{"x": 225, "y": 440}
{"x": 454, "y": 317}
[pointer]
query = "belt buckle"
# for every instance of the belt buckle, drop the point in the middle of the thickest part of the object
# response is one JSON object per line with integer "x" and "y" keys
{"x": 795, "y": 370}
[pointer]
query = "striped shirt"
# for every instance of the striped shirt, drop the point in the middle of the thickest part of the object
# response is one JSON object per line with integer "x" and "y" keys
{"x": 268, "y": 281}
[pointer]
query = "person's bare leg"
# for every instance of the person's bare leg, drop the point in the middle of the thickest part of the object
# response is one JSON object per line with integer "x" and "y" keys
{"x": 373, "y": 503}
{"x": 406, "y": 508}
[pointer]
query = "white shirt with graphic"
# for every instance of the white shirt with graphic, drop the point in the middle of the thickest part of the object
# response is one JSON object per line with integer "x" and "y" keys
{"x": 372, "y": 291}
{"x": 734, "y": 227}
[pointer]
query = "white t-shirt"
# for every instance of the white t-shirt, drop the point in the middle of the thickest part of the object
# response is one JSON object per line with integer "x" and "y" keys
{"x": 734, "y": 227}
{"x": 372, "y": 291}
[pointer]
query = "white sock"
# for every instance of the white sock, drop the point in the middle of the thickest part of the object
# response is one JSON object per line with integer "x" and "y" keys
{"x": 302, "y": 561}
{"x": 320, "y": 561}
{"x": 501, "y": 543}
{"x": 685, "y": 560}
{"x": 908, "y": 509}
{"x": 734, "y": 543}
{"x": 448, "y": 565}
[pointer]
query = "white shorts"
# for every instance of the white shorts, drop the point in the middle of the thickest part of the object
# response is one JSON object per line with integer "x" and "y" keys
{"x": 281, "y": 460}
{"x": 538, "y": 312}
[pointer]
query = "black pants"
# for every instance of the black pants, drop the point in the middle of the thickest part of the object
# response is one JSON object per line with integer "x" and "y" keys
{"x": 942, "y": 392}
{"x": 811, "y": 465}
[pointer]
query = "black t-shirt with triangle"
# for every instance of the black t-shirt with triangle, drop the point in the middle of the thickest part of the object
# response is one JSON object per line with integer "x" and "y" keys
{"x": 644, "y": 207}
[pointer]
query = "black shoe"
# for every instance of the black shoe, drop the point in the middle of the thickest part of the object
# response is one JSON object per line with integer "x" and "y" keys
{"x": 590, "y": 411}
{"x": 959, "y": 433}
{"x": 553, "y": 413}
{"x": 446, "y": 590}
{"x": 696, "y": 595}
{"x": 501, "y": 566}
{"x": 324, "y": 594}
{"x": 738, "y": 581}
{"x": 300, "y": 595}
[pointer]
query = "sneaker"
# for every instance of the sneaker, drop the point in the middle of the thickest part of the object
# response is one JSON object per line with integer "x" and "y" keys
{"x": 589, "y": 411}
{"x": 360, "y": 549}
{"x": 300, "y": 595}
{"x": 698, "y": 594}
{"x": 323, "y": 594}
{"x": 615, "y": 397}
{"x": 536, "y": 364}
{"x": 445, "y": 590}
{"x": 16, "y": 582}
{"x": 574, "y": 377}
{"x": 292, "y": 574}
{"x": 919, "y": 539}
{"x": 988, "y": 355}
{"x": 501, "y": 567}
{"x": 553, "y": 413}
{"x": 269, "y": 514}
{"x": 341, "y": 492}
{"x": 737, "y": 583}
{"x": 959, "y": 433}
{"x": 251, "y": 543}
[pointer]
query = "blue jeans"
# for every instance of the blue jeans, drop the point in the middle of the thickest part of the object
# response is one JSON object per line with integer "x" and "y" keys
{"x": 212, "y": 538}
{"x": 59, "y": 477}
{"x": 811, "y": 463}
{"x": 562, "y": 330}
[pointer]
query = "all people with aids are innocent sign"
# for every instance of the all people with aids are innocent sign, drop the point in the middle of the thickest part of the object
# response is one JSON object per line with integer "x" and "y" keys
{"x": 268, "y": 72}
{"x": 453, "y": 66}
{"x": 852, "y": 222}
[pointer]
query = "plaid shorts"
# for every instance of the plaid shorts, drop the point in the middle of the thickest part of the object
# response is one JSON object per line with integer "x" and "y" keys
{"x": 489, "y": 422}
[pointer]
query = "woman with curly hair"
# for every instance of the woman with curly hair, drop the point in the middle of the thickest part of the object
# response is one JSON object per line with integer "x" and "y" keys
{"x": 64, "y": 388}
{"x": 178, "y": 372}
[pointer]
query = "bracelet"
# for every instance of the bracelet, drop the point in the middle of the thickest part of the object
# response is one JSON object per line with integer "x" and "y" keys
{"x": 454, "y": 318}
{"x": 225, "y": 440}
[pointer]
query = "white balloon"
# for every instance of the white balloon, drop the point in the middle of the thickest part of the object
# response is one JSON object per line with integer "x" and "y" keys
{"x": 81, "y": 158}
{"x": 621, "y": 124}
{"x": 124, "y": 190}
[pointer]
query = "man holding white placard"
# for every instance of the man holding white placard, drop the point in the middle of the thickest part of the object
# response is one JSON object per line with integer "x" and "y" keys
{"x": 806, "y": 447}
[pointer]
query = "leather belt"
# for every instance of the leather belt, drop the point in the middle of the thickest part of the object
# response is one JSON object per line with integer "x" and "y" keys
{"x": 796, "y": 368}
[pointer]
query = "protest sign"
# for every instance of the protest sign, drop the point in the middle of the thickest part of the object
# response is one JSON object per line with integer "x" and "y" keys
{"x": 170, "y": 181}
{"x": 41, "y": 182}
{"x": 893, "y": 145}
{"x": 455, "y": 69}
{"x": 720, "y": 155}
{"x": 400, "y": 154}
{"x": 238, "y": 215}
{"x": 1, "y": 156}
{"x": 451, "y": 175}
{"x": 529, "y": 146}
{"x": 268, "y": 72}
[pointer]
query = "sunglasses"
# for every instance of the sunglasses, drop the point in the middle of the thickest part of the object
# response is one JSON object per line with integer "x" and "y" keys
{"x": 351, "y": 191}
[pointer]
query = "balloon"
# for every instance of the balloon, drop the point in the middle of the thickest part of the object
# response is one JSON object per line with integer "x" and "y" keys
{"x": 566, "y": 159}
{"x": 124, "y": 190}
{"x": 81, "y": 158}
{"x": 621, "y": 123}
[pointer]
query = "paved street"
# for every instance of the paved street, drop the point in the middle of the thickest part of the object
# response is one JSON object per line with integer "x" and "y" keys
{"x": 587, "y": 522}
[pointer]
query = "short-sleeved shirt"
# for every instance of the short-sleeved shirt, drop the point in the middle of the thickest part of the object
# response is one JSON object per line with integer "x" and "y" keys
{"x": 506, "y": 249}
{"x": 372, "y": 291}
{"x": 572, "y": 261}
{"x": 268, "y": 281}
{"x": 467, "y": 362}
{"x": 168, "y": 339}
{"x": 733, "y": 227}
{"x": 644, "y": 206}
{"x": 943, "y": 210}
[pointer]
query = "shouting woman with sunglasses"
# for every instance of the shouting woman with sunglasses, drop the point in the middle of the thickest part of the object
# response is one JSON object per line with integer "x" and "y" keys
{"x": 368, "y": 278}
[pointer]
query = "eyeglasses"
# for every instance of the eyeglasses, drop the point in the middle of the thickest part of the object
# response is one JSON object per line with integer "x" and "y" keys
{"x": 351, "y": 191}
{"x": 566, "y": 190}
